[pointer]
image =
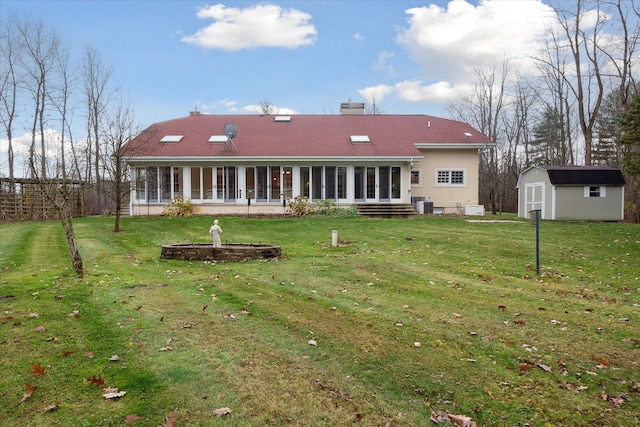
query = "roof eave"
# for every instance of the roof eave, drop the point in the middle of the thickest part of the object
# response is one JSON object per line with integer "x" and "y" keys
{"x": 454, "y": 146}
{"x": 199, "y": 159}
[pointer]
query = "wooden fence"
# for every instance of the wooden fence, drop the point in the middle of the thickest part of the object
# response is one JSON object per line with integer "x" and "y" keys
{"x": 23, "y": 199}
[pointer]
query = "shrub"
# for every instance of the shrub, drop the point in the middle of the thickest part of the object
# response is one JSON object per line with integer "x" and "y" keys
{"x": 179, "y": 206}
{"x": 299, "y": 206}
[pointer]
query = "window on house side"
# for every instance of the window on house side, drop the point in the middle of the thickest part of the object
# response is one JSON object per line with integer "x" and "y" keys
{"x": 450, "y": 178}
{"x": 416, "y": 179}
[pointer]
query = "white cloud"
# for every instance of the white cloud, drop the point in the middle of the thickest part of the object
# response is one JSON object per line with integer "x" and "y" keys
{"x": 449, "y": 43}
{"x": 257, "y": 109}
{"x": 262, "y": 25}
{"x": 382, "y": 64}
{"x": 376, "y": 93}
{"x": 226, "y": 103}
{"x": 415, "y": 91}
{"x": 358, "y": 36}
{"x": 21, "y": 144}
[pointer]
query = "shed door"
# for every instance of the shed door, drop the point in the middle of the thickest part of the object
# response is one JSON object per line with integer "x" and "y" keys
{"x": 534, "y": 197}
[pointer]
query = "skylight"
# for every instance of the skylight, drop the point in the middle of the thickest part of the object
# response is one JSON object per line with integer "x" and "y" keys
{"x": 360, "y": 138}
{"x": 218, "y": 138}
{"x": 171, "y": 138}
{"x": 282, "y": 118}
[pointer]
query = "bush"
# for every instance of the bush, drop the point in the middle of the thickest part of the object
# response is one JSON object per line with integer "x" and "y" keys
{"x": 300, "y": 206}
{"x": 179, "y": 206}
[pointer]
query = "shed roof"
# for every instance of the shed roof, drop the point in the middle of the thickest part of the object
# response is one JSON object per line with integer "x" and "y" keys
{"x": 584, "y": 175}
{"x": 202, "y": 135}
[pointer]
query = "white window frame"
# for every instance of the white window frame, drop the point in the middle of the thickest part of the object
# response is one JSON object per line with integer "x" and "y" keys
{"x": 601, "y": 191}
{"x": 418, "y": 172}
{"x": 449, "y": 172}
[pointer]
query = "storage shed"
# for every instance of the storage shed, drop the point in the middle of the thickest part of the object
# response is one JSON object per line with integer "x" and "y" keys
{"x": 582, "y": 193}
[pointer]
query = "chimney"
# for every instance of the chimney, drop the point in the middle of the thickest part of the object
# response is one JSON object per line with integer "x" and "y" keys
{"x": 352, "y": 108}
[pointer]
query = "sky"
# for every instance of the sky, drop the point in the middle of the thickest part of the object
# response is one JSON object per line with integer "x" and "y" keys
{"x": 171, "y": 57}
{"x": 305, "y": 57}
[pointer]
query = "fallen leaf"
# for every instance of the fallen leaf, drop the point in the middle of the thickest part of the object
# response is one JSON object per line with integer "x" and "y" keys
{"x": 112, "y": 393}
{"x": 617, "y": 402}
{"x": 96, "y": 380}
{"x": 461, "y": 421}
{"x": 89, "y": 354}
{"x": 456, "y": 315}
{"x": 30, "y": 389}
{"x": 114, "y": 358}
{"x": 221, "y": 411}
{"x": 40, "y": 328}
{"x": 438, "y": 417}
{"x": 312, "y": 342}
{"x": 502, "y": 308}
{"x": 50, "y": 408}
{"x": 37, "y": 369}
{"x": 525, "y": 367}
{"x": 67, "y": 353}
{"x": 544, "y": 367}
{"x": 572, "y": 387}
{"x": 205, "y": 308}
{"x": 130, "y": 419}
{"x": 32, "y": 315}
{"x": 166, "y": 349}
{"x": 170, "y": 420}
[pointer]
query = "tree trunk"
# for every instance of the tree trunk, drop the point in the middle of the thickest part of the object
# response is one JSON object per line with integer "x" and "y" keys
{"x": 76, "y": 259}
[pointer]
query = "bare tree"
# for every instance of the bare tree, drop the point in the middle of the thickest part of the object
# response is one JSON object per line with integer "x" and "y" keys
{"x": 50, "y": 82}
{"x": 119, "y": 128}
{"x": 10, "y": 81}
{"x": 373, "y": 107}
{"x": 41, "y": 47}
{"x": 484, "y": 110}
{"x": 267, "y": 108}
{"x": 96, "y": 77}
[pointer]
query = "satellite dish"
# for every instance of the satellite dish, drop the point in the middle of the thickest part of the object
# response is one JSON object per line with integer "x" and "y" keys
{"x": 230, "y": 130}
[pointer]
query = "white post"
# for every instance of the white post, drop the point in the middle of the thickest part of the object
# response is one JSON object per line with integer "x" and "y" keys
{"x": 334, "y": 238}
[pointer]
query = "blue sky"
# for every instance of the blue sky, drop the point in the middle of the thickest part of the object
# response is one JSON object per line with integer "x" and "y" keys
{"x": 307, "y": 57}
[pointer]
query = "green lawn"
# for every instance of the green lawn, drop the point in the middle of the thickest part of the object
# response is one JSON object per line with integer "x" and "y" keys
{"x": 409, "y": 318}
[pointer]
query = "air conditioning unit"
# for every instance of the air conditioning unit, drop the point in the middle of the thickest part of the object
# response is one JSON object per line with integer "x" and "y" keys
{"x": 474, "y": 210}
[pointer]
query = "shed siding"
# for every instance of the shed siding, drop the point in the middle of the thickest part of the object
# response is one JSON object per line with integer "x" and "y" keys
{"x": 533, "y": 176}
{"x": 572, "y": 205}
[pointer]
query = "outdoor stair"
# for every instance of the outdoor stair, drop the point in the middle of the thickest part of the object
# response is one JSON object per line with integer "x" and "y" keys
{"x": 386, "y": 210}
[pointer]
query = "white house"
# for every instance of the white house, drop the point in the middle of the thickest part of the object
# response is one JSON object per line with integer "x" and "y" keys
{"x": 347, "y": 158}
{"x": 589, "y": 193}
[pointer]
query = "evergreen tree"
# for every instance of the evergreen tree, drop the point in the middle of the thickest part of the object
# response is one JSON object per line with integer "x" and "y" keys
{"x": 630, "y": 138}
{"x": 547, "y": 144}
{"x": 606, "y": 150}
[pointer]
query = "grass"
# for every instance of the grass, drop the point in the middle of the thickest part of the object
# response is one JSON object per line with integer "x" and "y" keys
{"x": 410, "y": 317}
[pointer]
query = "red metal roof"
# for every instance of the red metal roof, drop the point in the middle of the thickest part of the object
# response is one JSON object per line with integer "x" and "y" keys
{"x": 304, "y": 136}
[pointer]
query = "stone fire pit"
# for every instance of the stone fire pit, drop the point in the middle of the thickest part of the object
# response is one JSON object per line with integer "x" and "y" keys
{"x": 228, "y": 252}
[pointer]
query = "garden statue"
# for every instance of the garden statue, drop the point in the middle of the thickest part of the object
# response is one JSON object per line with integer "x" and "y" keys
{"x": 214, "y": 232}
